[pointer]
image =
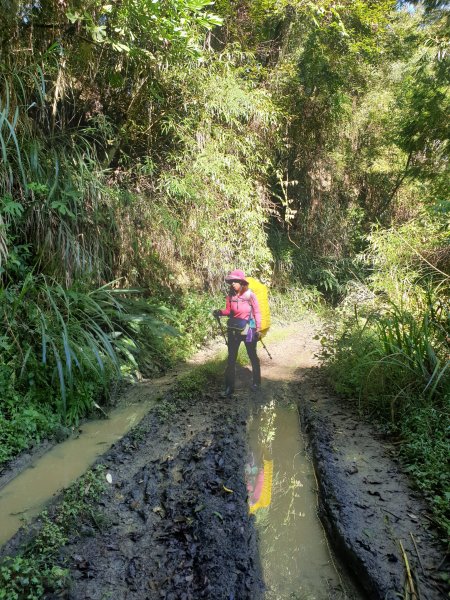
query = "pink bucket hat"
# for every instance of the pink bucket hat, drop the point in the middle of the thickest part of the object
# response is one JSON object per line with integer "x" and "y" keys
{"x": 236, "y": 275}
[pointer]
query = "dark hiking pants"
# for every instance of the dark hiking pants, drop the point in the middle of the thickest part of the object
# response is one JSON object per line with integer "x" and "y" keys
{"x": 234, "y": 341}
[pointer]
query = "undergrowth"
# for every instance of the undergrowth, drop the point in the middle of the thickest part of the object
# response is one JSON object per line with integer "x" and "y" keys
{"x": 34, "y": 571}
{"x": 390, "y": 351}
{"x": 293, "y": 303}
{"x": 193, "y": 321}
{"x": 90, "y": 340}
{"x": 198, "y": 381}
{"x": 425, "y": 431}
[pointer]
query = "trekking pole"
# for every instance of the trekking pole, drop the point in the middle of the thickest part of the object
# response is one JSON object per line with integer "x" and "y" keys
{"x": 221, "y": 330}
{"x": 265, "y": 348}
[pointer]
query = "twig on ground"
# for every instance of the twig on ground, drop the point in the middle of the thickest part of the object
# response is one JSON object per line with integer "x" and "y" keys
{"x": 438, "y": 568}
{"x": 412, "y": 587}
{"x": 391, "y": 513}
{"x": 417, "y": 552}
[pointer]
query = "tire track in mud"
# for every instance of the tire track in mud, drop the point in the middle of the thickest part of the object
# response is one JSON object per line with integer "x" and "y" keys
{"x": 173, "y": 530}
{"x": 178, "y": 522}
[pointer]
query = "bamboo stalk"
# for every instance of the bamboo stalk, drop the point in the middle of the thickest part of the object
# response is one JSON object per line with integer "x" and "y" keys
{"x": 412, "y": 588}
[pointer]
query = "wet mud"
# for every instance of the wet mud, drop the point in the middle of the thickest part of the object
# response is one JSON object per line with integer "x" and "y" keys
{"x": 35, "y": 476}
{"x": 377, "y": 522}
{"x": 177, "y": 525}
{"x": 176, "y": 521}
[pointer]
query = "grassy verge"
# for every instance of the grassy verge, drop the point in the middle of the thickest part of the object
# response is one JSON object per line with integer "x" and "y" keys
{"x": 395, "y": 362}
{"x": 191, "y": 387}
{"x": 48, "y": 387}
{"x": 35, "y": 571}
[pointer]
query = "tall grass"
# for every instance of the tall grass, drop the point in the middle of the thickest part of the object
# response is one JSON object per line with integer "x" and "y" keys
{"x": 60, "y": 340}
{"x": 392, "y": 353}
{"x": 417, "y": 347}
{"x": 53, "y": 193}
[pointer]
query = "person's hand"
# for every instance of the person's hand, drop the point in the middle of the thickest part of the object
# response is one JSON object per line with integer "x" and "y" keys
{"x": 257, "y": 336}
{"x": 216, "y": 313}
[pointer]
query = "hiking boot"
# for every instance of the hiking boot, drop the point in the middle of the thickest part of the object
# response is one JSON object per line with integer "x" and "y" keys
{"x": 227, "y": 393}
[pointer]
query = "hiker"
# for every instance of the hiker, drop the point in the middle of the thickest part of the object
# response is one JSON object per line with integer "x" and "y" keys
{"x": 244, "y": 325}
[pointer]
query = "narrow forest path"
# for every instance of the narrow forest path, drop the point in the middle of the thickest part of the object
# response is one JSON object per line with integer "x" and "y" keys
{"x": 176, "y": 520}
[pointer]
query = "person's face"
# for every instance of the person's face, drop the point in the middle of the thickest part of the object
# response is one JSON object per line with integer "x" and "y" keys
{"x": 236, "y": 285}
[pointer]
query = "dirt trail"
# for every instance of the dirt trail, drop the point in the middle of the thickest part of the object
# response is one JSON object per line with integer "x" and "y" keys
{"x": 176, "y": 517}
{"x": 366, "y": 500}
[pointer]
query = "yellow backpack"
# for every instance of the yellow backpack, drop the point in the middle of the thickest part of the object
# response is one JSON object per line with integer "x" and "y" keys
{"x": 262, "y": 294}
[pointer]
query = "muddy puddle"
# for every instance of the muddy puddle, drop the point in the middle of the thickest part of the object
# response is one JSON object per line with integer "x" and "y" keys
{"x": 186, "y": 483}
{"x": 24, "y": 497}
{"x": 294, "y": 552}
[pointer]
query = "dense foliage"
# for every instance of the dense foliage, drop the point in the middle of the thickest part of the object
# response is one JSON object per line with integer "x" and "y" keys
{"x": 147, "y": 147}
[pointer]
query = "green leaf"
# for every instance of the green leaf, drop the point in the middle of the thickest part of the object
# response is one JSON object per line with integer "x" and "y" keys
{"x": 73, "y": 17}
{"x": 62, "y": 208}
{"x": 120, "y": 47}
{"x": 9, "y": 207}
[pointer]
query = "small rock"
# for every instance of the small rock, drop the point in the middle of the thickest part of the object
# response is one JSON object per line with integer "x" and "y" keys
{"x": 351, "y": 470}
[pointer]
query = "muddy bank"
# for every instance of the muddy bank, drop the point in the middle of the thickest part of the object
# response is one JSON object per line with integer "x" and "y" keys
{"x": 177, "y": 521}
{"x": 35, "y": 476}
{"x": 127, "y": 395}
{"x": 367, "y": 504}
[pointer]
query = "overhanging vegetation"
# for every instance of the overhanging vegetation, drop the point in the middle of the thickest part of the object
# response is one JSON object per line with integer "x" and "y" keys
{"x": 147, "y": 148}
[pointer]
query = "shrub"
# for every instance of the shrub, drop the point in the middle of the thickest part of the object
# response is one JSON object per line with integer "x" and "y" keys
{"x": 425, "y": 431}
{"x": 392, "y": 355}
{"x": 193, "y": 320}
{"x": 62, "y": 348}
{"x": 22, "y": 420}
{"x": 34, "y": 572}
{"x": 23, "y": 578}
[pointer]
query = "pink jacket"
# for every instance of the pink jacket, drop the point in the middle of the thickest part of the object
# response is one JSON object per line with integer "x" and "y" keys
{"x": 243, "y": 307}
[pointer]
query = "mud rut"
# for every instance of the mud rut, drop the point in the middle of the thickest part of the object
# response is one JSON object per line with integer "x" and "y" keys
{"x": 176, "y": 522}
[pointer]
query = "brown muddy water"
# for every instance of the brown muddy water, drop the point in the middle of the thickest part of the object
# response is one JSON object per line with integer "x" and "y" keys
{"x": 296, "y": 560}
{"x": 295, "y": 556}
{"x": 25, "y": 496}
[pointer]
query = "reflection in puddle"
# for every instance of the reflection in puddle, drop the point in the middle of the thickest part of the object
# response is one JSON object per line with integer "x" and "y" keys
{"x": 259, "y": 484}
{"x": 281, "y": 487}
